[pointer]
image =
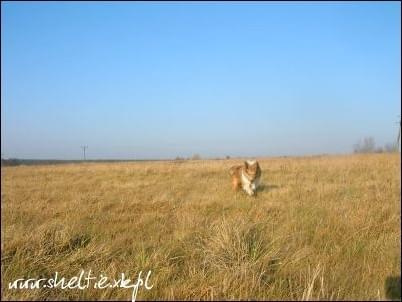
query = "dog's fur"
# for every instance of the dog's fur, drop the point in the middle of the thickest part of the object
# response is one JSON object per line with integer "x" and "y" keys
{"x": 246, "y": 176}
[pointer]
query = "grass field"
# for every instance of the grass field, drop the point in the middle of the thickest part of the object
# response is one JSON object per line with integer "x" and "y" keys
{"x": 320, "y": 228}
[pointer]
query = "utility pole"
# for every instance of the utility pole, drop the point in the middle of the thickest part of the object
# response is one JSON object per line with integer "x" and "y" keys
{"x": 84, "y": 148}
{"x": 398, "y": 140}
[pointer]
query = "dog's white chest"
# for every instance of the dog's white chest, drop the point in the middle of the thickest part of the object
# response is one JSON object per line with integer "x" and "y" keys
{"x": 247, "y": 185}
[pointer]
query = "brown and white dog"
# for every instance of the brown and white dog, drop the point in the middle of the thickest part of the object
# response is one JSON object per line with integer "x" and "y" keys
{"x": 246, "y": 176}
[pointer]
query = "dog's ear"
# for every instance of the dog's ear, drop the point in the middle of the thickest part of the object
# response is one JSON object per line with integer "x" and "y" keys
{"x": 246, "y": 164}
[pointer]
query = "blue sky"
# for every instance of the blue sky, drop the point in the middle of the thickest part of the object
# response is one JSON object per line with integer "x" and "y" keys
{"x": 160, "y": 80}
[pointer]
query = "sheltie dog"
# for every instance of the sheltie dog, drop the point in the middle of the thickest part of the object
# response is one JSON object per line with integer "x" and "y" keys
{"x": 246, "y": 176}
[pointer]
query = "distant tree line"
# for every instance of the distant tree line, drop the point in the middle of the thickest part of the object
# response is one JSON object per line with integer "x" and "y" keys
{"x": 17, "y": 161}
{"x": 367, "y": 145}
{"x": 198, "y": 157}
{"x": 194, "y": 157}
{"x": 10, "y": 162}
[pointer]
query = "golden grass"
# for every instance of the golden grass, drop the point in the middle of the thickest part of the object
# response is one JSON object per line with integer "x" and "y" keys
{"x": 320, "y": 228}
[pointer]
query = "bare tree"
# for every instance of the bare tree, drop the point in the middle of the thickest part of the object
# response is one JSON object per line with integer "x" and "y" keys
{"x": 390, "y": 147}
{"x": 365, "y": 146}
{"x": 196, "y": 157}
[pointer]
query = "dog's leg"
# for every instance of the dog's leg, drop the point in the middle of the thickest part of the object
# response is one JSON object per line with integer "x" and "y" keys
{"x": 249, "y": 190}
{"x": 235, "y": 184}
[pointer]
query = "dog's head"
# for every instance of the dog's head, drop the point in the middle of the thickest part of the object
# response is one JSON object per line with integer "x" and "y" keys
{"x": 252, "y": 169}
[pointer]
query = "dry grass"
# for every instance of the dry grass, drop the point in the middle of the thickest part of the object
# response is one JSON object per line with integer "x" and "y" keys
{"x": 320, "y": 228}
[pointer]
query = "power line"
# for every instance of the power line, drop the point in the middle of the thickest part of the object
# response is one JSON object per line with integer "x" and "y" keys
{"x": 84, "y": 148}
